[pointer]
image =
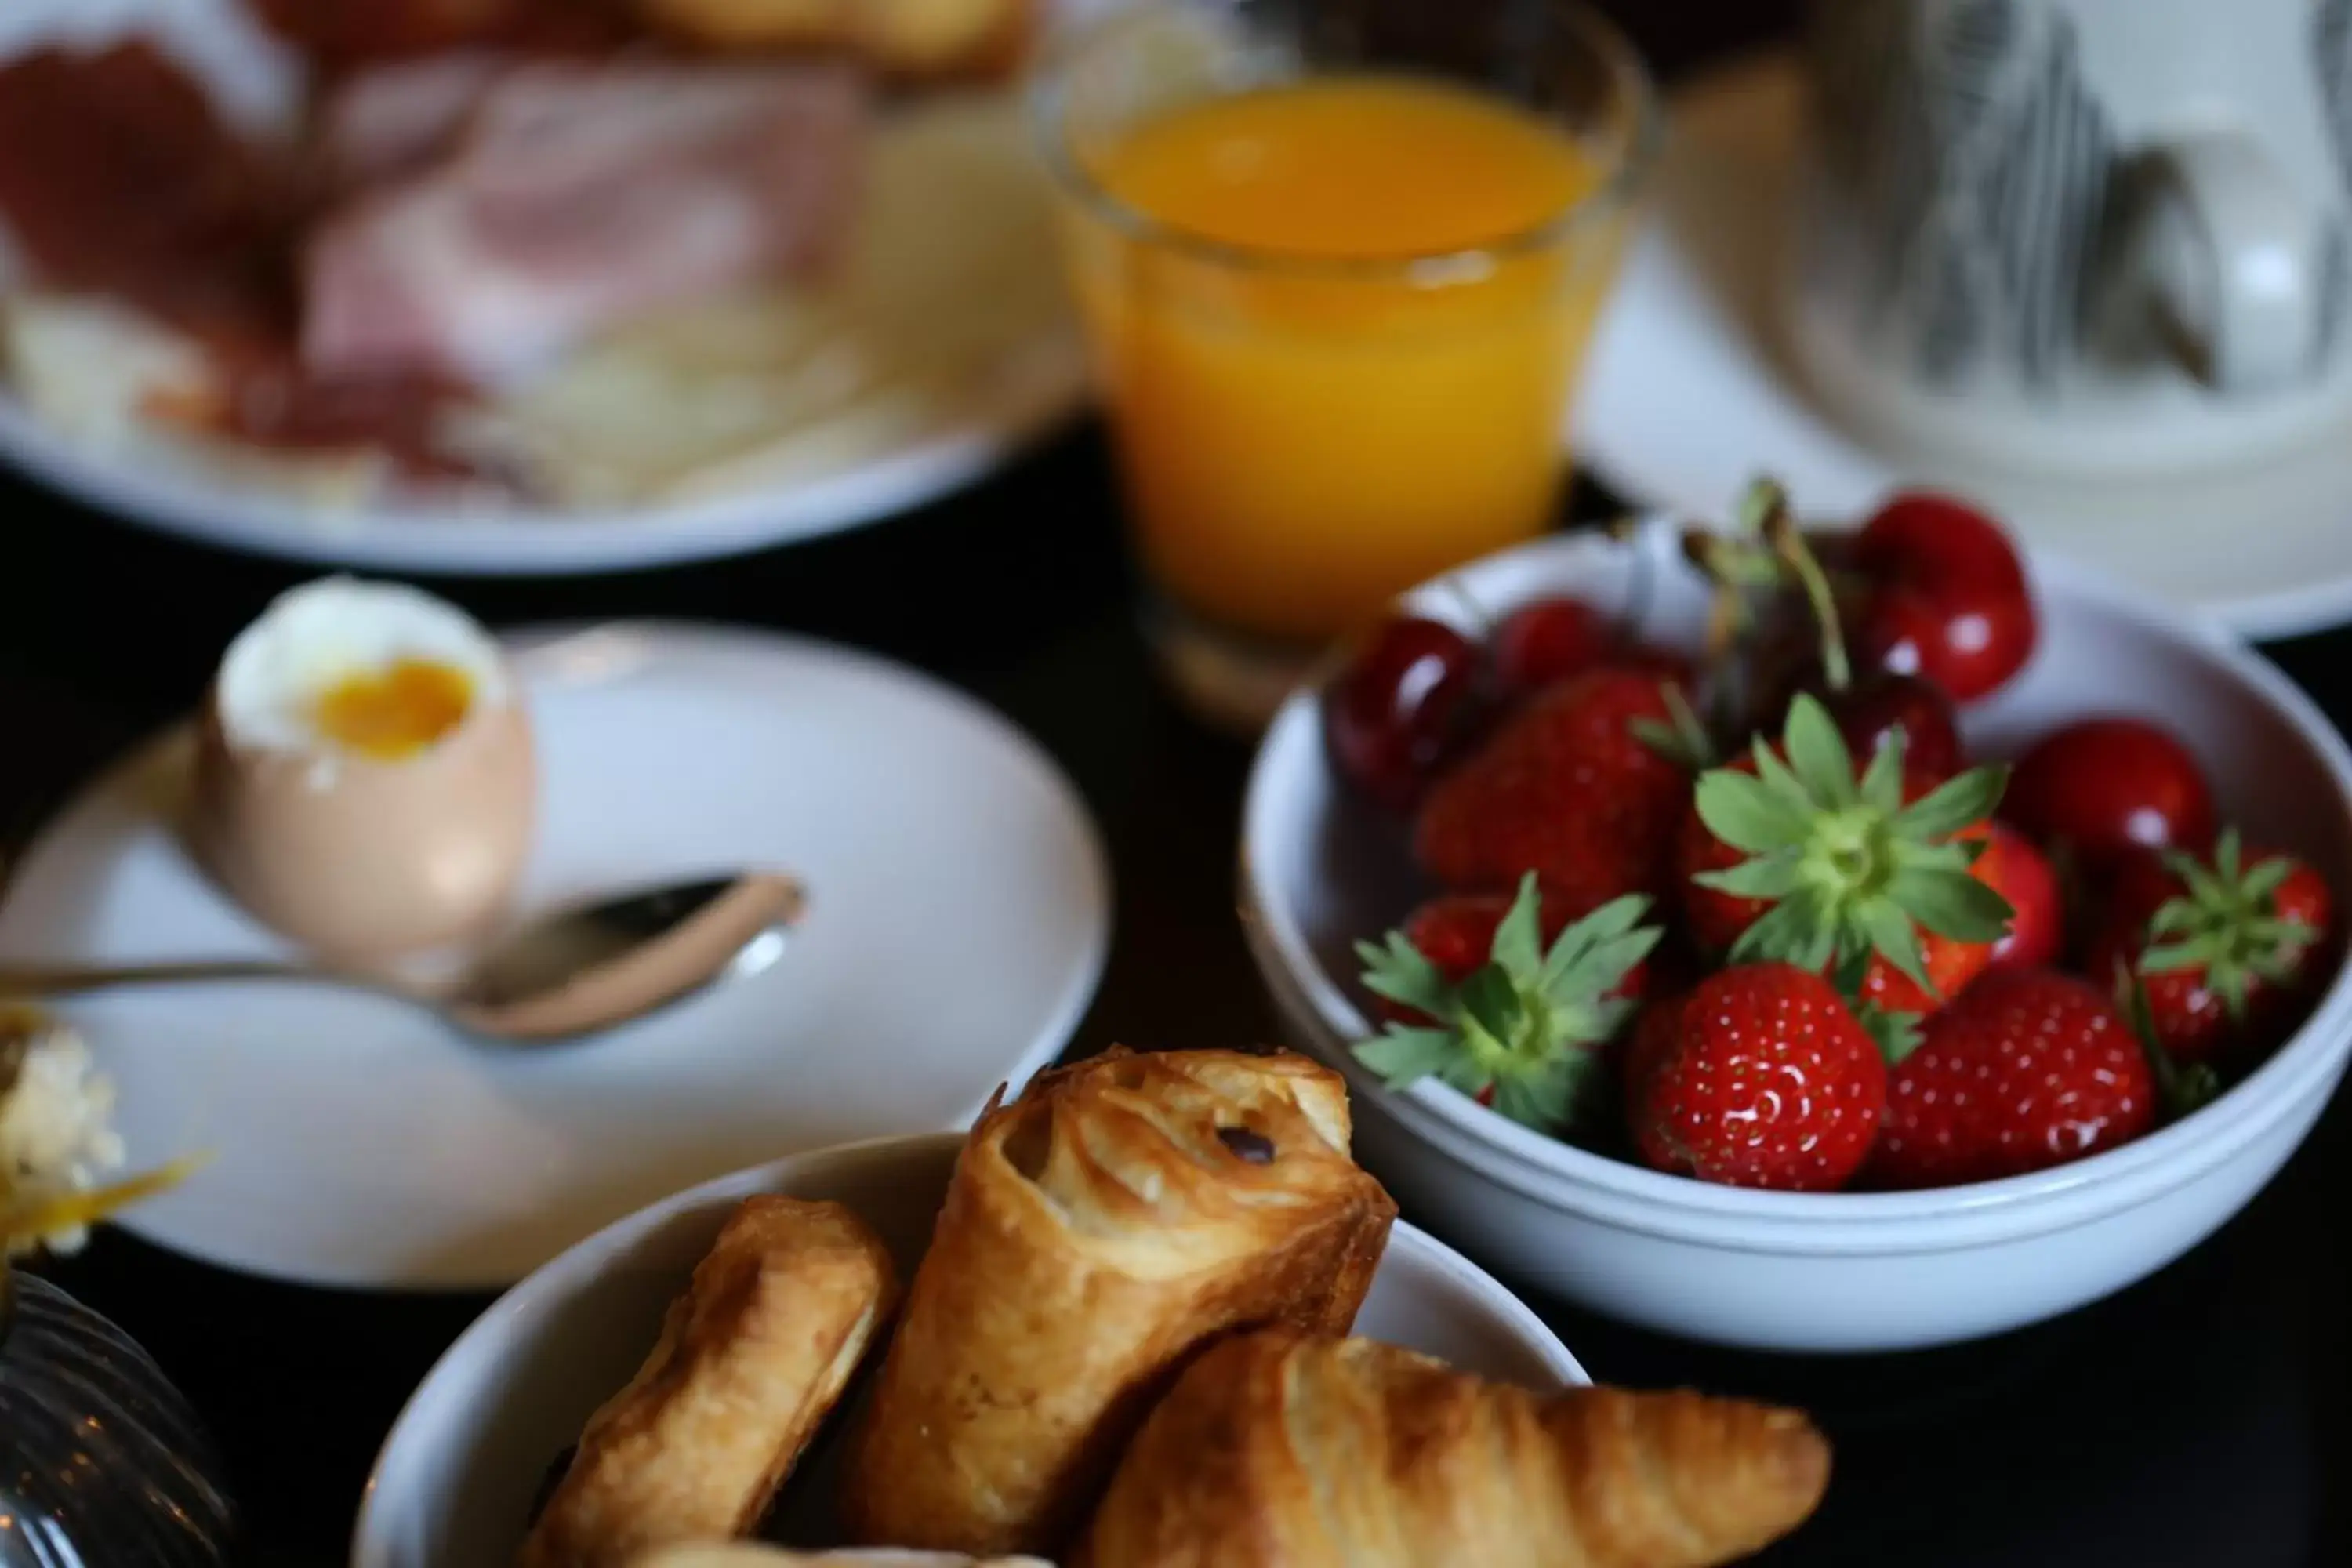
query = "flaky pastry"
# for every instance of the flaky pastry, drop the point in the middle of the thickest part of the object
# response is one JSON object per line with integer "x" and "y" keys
{"x": 905, "y": 39}
{"x": 748, "y": 1554}
{"x": 750, "y": 1359}
{"x": 1279, "y": 1450}
{"x": 1096, "y": 1231}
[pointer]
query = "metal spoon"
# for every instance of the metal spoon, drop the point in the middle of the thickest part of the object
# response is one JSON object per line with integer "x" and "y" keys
{"x": 563, "y": 976}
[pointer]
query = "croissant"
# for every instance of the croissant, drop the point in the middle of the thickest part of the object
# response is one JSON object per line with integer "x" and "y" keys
{"x": 1097, "y": 1230}
{"x": 1276, "y": 1450}
{"x": 750, "y": 1359}
{"x": 747, "y": 1554}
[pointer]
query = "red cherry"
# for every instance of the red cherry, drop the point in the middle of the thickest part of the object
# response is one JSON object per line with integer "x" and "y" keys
{"x": 2020, "y": 873}
{"x": 1925, "y": 539}
{"x": 1549, "y": 640}
{"x": 1401, "y": 708}
{"x": 1879, "y": 703}
{"x": 1948, "y": 597}
{"x": 2103, "y": 785}
{"x": 1968, "y": 640}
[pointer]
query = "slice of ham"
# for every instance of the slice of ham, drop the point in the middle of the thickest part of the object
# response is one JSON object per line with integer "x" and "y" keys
{"x": 393, "y": 120}
{"x": 575, "y": 198}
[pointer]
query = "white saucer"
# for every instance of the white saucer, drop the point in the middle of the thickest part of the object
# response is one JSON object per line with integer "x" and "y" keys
{"x": 959, "y": 917}
{"x": 1688, "y": 398}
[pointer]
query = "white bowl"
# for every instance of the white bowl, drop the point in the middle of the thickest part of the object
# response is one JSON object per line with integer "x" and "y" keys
{"x": 1831, "y": 1271}
{"x": 456, "y": 1476}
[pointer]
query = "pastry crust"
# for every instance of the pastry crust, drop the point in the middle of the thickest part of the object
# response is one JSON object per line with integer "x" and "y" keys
{"x": 746, "y": 1554}
{"x": 1097, "y": 1232}
{"x": 1277, "y": 1450}
{"x": 750, "y": 1359}
{"x": 909, "y": 39}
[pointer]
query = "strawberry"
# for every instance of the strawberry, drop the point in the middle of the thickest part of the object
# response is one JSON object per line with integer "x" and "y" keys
{"x": 1760, "y": 1077}
{"x": 1522, "y": 1031}
{"x": 1567, "y": 789}
{"x": 1455, "y": 933}
{"x": 2026, "y": 1070}
{"x": 2012, "y": 866}
{"x": 1867, "y": 877}
{"x": 2226, "y": 945}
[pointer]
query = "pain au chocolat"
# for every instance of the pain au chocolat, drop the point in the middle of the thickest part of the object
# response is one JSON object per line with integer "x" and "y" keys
{"x": 1098, "y": 1230}
{"x": 1281, "y": 1450}
{"x": 750, "y": 1359}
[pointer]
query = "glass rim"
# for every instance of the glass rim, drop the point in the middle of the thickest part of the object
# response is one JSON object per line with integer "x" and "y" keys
{"x": 1049, "y": 105}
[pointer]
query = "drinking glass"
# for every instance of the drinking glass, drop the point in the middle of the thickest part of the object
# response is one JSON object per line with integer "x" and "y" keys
{"x": 1305, "y": 429}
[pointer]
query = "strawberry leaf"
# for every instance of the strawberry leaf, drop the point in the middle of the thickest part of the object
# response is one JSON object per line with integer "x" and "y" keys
{"x": 1682, "y": 738}
{"x": 1517, "y": 946}
{"x": 1765, "y": 876}
{"x": 1817, "y": 753}
{"x": 1882, "y": 781}
{"x": 1400, "y": 972}
{"x": 1958, "y": 802}
{"x": 1897, "y": 1034}
{"x": 1894, "y": 939}
{"x": 1404, "y": 1056}
{"x": 1952, "y": 903}
{"x": 1747, "y": 813}
{"x": 1526, "y": 1024}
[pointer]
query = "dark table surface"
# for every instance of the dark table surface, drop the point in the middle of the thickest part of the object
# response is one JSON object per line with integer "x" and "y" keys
{"x": 2199, "y": 1417}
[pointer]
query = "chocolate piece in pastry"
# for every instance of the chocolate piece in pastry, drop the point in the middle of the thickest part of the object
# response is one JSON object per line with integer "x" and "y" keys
{"x": 1276, "y": 1450}
{"x": 750, "y": 1359}
{"x": 1096, "y": 1232}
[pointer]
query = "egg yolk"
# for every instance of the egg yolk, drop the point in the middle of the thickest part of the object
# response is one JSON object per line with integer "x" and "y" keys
{"x": 395, "y": 711}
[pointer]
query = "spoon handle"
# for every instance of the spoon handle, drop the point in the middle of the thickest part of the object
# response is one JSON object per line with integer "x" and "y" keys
{"x": 70, "y": 979}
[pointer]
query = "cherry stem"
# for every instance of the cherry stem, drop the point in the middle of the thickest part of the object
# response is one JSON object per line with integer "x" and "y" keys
{"x": 1788, "y": 541}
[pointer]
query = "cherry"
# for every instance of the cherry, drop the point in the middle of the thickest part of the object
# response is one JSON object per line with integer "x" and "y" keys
{"x": 1968, "y": 641}
{"x": 1880, "y": 701}
{"x": 2020, "y": 873}
{"x": 1928, "y": 539}
{"x": 1549, "y": 640}
{"x": 1946, "y": 595}
{"x": 2103, "y": 785}
{"x": 1401, "y": 709}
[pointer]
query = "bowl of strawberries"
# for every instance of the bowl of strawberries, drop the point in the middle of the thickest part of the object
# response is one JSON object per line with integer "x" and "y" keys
{"x": 1809, "y": 938}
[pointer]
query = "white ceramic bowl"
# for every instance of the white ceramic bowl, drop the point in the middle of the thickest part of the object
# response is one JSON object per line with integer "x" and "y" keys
{"x": 456, "y": 1478}
{"x": 1831, "y": 1271}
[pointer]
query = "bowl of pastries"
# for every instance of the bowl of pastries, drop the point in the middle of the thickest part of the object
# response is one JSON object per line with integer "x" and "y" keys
{"x": 1150, "y": 1313}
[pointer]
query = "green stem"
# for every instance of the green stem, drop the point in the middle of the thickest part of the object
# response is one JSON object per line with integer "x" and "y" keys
{"x": 1788, "y": 541}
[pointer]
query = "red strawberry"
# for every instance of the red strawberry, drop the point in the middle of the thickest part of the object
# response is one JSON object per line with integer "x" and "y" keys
{"x": 1523, "y": 1030}
{"x": 2226, "y": 945}
{"x": 2028, "y": 1068}
{"x": 1565, "y": 789}
{"x": 1546, "y": 640}
{"x": 1761, "y": 1077}
{"x": 2012, "y": 866}
{"x": 1455, "y": 933}
{"x": 1866, "y": 875}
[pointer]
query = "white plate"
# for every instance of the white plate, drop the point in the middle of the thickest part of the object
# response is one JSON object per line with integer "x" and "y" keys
{"x": 458, "y": 1473}
{"x": 1028, "y": 395}
{"x": 1687, "y": 396}
{"x": 958, "y": 915}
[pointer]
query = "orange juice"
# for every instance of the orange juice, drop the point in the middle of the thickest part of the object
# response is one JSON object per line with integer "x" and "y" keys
{"x": 1339, "y": 357}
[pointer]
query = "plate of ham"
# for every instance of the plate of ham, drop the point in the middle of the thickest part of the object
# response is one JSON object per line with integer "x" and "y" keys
{"x": 521, "y": 286}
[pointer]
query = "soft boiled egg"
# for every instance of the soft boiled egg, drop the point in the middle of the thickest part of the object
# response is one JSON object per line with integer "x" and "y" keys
{"x": 364, "y": 780}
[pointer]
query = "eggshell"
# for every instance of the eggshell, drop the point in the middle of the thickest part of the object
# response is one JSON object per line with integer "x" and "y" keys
{"x": 361, "y": 859}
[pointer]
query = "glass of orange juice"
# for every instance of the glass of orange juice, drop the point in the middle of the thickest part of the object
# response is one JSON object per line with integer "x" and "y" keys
{"x": 1339, "y": 265}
